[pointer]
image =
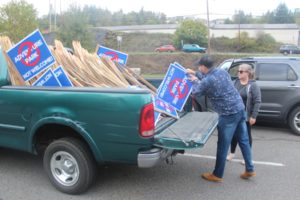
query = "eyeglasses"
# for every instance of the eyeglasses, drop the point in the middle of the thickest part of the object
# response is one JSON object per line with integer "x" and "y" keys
{"x": 240, "y": 71}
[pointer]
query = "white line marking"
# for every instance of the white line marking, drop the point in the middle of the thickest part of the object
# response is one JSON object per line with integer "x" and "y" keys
{"x": 234, "y": 160}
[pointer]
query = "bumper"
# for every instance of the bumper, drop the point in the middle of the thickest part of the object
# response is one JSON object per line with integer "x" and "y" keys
{"x": 152, "y": 157}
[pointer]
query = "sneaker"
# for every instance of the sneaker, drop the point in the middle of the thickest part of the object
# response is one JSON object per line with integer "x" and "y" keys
{"x": 230, "y": 156}
{"x": 211, "y": 177}
{"x": 247, "y": 175}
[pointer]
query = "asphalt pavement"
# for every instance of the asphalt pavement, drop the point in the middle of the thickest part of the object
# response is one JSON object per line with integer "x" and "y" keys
{"x": 276, "y": 157}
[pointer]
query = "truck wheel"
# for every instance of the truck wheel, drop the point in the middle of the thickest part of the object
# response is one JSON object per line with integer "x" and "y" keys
{"x": 294, "y": 120}
{"x": 69, "y": 165}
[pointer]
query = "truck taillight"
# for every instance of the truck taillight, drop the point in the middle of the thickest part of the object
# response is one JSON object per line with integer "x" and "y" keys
{"x": 147, "y": 121}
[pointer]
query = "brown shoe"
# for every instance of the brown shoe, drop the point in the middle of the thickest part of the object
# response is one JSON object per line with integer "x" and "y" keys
{"x": 211, "y": 177}
{"x": 247, "y": 175}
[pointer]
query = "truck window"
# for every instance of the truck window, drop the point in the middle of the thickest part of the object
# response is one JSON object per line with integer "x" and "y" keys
{"x": 275, "y": 72}
{"x": 233, "y": 71}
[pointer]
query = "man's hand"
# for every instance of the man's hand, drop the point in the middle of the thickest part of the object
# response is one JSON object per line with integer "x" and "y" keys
{"x": 190, "y": 71}
{"x": 192, "y": 77}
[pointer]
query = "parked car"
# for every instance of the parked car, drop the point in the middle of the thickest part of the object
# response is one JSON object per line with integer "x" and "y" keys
{"x": 289, "y": 49}
{"x": 193, "y": 48}
{"x": 279, "y": 81}
{"x": 165, "y": 48}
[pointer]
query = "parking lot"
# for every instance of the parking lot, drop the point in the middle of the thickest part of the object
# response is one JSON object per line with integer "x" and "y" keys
{"x": 276, "y": 158}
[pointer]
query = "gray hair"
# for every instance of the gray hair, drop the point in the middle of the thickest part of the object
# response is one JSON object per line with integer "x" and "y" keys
{"x": 248, "y": 68}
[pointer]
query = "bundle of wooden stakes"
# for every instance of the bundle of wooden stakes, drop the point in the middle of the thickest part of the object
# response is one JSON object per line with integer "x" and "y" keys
{"x": 83, "y": 68}
{"x": 14, "y": 75}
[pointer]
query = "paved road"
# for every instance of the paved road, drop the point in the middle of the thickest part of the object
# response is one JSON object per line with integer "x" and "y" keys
{"x": 276, "y": 154}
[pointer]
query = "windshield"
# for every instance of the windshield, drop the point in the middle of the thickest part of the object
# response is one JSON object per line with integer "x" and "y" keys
{"x": 226, "y": 64}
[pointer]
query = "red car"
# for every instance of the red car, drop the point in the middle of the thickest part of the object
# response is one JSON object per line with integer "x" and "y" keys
{"x": 165, "y": 48}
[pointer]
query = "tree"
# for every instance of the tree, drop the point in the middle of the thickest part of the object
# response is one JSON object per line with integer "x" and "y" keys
{"x": 75, "y": 26}
{"x": 283, "y": 15}
{"x": 191, "y": 31}
{"x": 17, "y": 19}
{"x": 265, "y": 41}
{"x": 297, "y": 16}
{"x": 241, "y": 18}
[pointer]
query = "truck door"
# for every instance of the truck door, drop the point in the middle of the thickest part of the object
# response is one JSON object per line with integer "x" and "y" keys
{"x": 190, "y": 131}
{"x": 12, "y": 115}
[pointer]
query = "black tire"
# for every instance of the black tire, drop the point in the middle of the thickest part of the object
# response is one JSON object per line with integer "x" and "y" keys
{"x": 69, "y": 165}
{"x": 294, "y": 121}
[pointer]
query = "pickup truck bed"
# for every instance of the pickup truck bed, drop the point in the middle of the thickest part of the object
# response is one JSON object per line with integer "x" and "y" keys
{"x": 76, "y": 129}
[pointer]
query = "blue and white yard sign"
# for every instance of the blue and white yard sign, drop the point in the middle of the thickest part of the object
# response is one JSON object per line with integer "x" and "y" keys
{"x": 31, "y": 55}
{"x": 175, "y": 88}
{"x": 112, "y": 54}
{"x": 179, "y": 65}
{"x": 62, "y": 77}
{"x": 164, "y": 107}
{"x": 47, "y": 79}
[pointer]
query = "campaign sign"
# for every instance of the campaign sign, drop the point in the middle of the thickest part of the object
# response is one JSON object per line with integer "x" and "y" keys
{"x": 31, "y": 55}
{"x": 112, "y": 54}
{"x": 175, "y": 88}
{"x": 179, "y": 65}
{"x": 62, "y": 77}
{"x": 47, "y": 79}
{"x": 164, "y": 107}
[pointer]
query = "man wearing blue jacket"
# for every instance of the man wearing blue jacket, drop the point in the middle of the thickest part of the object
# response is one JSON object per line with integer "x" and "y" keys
{"x": 216, "y": 84}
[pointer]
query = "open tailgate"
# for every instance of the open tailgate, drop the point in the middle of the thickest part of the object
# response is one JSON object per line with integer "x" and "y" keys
{"x": 190, "y": 131}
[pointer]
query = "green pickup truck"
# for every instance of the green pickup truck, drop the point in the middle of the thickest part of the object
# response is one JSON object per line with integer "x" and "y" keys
{"x": 76, "y": 129}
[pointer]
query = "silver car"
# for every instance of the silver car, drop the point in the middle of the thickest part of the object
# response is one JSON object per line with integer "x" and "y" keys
{"x": 279, "y": 81}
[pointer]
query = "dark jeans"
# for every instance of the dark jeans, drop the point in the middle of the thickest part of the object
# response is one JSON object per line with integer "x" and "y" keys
{"x": 234, "y": 141}
{"x": 229, "y": 125}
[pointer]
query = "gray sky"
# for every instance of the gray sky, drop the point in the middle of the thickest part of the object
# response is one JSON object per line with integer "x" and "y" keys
{"x": 217, "y": 8}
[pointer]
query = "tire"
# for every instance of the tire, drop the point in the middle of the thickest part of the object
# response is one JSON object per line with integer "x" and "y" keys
{"x": 69, "y": 165}
{"x": 294, "y": 121}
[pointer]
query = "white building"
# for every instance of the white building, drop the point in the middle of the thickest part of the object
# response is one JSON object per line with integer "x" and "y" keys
{"x": 285, "y": 33}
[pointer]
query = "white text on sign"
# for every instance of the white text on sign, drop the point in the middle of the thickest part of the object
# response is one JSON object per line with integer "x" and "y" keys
{"x": 25, "y": 53}
{"x": 38, "y": 67}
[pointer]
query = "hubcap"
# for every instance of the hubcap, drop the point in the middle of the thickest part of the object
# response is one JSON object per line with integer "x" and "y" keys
{"x": 297, "y": 121}
{"x": 64, "y": 168}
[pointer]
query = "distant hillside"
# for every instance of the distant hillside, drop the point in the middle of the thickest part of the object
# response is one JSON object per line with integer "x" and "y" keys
{"x": 158, "y": 63}
{"x": 137, "y": 42}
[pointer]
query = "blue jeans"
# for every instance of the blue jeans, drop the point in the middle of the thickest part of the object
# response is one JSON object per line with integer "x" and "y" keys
{"x": 228, "y": 126}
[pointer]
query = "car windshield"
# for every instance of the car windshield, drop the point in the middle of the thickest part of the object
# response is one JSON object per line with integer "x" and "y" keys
{"x": 225, "y": 65}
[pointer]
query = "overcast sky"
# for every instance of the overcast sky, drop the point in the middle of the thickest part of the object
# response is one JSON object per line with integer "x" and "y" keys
{"x": 217, "y": 8}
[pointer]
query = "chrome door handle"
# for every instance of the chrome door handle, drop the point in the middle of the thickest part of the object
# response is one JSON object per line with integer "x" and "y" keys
{"x": 294, "y": 86}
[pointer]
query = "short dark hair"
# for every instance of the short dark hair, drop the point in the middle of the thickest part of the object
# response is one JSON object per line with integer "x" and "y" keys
{"x": 206, "y": 60}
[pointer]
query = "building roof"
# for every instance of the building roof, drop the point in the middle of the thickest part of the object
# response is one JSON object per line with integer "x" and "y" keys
{"x": 254, "y": 26}
{"x": 214, "y": 26}
{"x": 139, "y": 27}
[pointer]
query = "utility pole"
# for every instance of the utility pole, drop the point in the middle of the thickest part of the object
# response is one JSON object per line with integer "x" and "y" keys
{"x": 239, "y": 27}
{"x": 54, "y": 15}
{"x": 208, "y": 27}
{"x": 50, "y": 12}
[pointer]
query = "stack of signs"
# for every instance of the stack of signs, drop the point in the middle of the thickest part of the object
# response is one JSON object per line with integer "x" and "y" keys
{"x": 112, "y": 54}
{"x": 164, "y": 107}
{"x": 31, "y": 56}
{"x": 173, "y": 91}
